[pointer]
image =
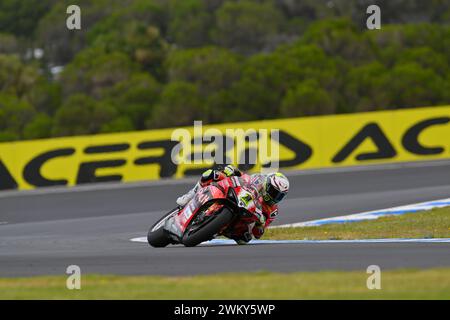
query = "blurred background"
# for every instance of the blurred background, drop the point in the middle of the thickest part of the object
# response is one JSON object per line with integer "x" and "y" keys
{"x": 143, "y": 64}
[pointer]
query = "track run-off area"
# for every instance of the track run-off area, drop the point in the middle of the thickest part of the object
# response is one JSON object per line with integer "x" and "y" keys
{"x": 44, "y": 231}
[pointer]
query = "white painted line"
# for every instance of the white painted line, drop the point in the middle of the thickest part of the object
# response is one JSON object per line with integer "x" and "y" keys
{"x": 371, "y": 215}
{"x": 221, "y": 242}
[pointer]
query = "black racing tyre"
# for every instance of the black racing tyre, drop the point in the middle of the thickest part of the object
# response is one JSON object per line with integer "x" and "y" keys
{"x": 157, "y": 236}
{"x": 212, "y": 226}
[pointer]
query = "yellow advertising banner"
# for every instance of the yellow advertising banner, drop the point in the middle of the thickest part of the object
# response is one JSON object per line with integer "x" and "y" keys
{"x": 304, "y": 143}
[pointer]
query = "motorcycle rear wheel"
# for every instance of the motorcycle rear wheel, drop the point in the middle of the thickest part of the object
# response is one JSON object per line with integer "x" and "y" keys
{"x": 207, "y": 232}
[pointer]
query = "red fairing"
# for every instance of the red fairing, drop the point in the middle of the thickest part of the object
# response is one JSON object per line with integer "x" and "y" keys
{"x": 204, "y": 195}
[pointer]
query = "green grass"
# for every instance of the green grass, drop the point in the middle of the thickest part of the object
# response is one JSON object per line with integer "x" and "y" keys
{"x": 398, "y": 284}
{"x": 426, "y": 224}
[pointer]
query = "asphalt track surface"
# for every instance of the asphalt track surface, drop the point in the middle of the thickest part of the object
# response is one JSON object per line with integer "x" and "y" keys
{"x": 42, "y": 232}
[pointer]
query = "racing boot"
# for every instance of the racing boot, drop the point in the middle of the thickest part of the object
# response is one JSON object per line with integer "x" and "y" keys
{"x": 184, "y": 199}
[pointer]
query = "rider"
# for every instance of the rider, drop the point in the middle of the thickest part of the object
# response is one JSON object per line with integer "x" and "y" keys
{"x": 268, "y": 190}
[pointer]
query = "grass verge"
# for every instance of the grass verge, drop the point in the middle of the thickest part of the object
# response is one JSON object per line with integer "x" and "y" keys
{"x": 397, "y": 284}
{"x": 426, "y": 224}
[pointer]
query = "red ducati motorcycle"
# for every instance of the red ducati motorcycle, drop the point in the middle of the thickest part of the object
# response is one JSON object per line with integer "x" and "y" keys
{"x": 220, "y": 209}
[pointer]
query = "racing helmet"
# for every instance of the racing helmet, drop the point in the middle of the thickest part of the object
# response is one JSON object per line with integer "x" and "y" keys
{"x": 276, "y": 187}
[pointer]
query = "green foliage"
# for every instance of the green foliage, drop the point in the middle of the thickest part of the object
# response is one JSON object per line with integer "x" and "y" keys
{"x": 180, "y": 104}
{"x": 413, "y": 86}
{"x": 21, "y": 17}
{"x": 120, "y": 124}
{"x": 14, "y": 116}
{"x": 81, "y": 114}
{"x": 45, "y": 96}
{"x": 339, "y": 37}
{"x": 139, "y": 64}
{"x": 142, "y": 43}
{"x": 15, "y": 77}
{"x": 133, "y": 99}
{"x": 8, "y": 44}
{"x": 307, "y": 98}
{"x": 212, "y": 68}
{"x": 94, "y": 70}
{"x": 61, "y": 44}
{"x": 147, "y": 12}
{"x": 189, "y": 23}
{"x": 246, "y": 25}
{"x": 426, "y": 58}
{"x": 367, "y": 87}
{"x": 39, "y": 127}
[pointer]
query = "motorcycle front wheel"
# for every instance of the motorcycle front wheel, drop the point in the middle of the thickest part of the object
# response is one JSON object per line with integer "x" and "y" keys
{"x": 207, "y": 229}
{"x": 157, "y": 236}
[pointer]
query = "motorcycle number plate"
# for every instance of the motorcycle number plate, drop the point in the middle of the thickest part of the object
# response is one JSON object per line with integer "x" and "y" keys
{"x": 188, "y": 211}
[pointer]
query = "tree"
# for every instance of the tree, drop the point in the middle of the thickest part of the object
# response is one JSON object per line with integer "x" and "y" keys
{"x": 119, "y": 124}
{"x": 80, "y": 115}
{"x": 16, "y": 78}
{"x": 142, "y": 43}
{"x": 61, "y": 44}
{"x": 308, "y": 61}
{"x": 307, "y": 99}
{"x": 410, "y": 85}
{"x": 14, "y": 115}
{"x": 366, "y": 88}
{"x": 180, "y": 105}
{"x": 245, "y": 26}
{"x": 211, "y": 68}
{"x": 45, "y": 96}
{"x": 426, "y": 58}
{"x": 122, "y": 12}
{"x": 21, "y": 17}
{"x": 189, "y": 23}
{"x": 8, "y": 44}
{"x": 266, "y": 78}
{"x": 339, "y": 37}
{"x": 134, "y": 99}
{"x": 394, "y": 39}
{"x": 39, "y": 127}
{"x": 92, "y": 71}
{"x": 250, "y": 100}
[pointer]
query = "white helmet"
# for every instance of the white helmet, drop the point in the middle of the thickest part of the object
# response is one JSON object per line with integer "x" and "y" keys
{"x": 276, "y": 188}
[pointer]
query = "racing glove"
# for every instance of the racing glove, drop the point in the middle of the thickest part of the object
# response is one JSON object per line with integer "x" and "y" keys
{"x": 211, "y": 175}
{"x": 229, "y": 171}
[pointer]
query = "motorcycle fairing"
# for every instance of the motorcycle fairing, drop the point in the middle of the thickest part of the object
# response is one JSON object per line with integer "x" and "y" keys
{"x": 215, "y": 196}
{"x": 208, "y": 193}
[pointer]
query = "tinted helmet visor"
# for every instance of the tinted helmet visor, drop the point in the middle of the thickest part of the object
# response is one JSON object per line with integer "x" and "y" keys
{"x": 275, "y": 195}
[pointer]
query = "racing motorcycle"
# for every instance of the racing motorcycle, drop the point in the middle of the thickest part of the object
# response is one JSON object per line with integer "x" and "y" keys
{"x": 219, "y": 209}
